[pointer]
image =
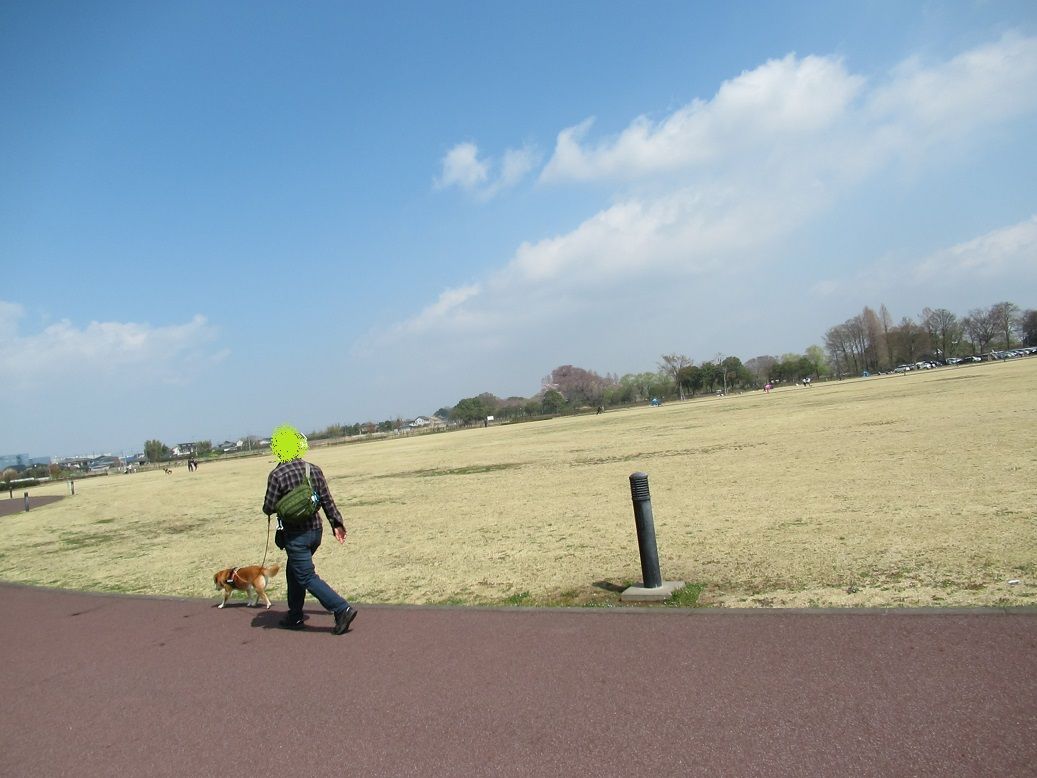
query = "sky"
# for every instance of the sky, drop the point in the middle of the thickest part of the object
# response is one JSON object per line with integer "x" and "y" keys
{"x": 216, "y": 218}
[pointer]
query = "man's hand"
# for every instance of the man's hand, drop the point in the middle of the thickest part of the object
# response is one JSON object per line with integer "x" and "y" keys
{"x": 340, "y": 534}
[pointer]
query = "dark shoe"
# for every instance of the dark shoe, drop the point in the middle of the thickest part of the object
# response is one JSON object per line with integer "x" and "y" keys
{"x": 291, "y": 623}
{"x": 343, "y": 619}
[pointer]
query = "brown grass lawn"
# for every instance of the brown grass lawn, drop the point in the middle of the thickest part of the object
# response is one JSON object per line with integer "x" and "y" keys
{"x": 914, "y": 489}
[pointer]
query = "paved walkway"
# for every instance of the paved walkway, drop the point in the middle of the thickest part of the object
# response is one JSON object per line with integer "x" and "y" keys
{"x": 12, "y": 505}
{"x": 108, "y": 685}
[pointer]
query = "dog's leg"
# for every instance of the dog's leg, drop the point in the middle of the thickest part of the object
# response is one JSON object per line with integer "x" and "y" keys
{"x": 264, "y": 581}
{"x": 226, "y": 596}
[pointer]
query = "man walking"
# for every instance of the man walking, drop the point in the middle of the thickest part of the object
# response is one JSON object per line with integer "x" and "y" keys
{"x": 302, "y": 540}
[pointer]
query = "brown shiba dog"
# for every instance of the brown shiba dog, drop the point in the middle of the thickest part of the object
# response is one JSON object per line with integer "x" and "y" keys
{"x": 252, "y": 579}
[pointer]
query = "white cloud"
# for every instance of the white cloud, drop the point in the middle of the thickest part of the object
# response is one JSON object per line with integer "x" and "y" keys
{"x": 812, "y": 116}
{"x": 1009, "y": 252}
{"x": 449, "y": 304}
{"x": 516, "y": 165}
{"x": 771, "y": 151}
{"x": 684, "y": 232}
{"x": 77, "y": 357}
{"x": 985, "y": 85}
{"x": 10, "y": 313}
{"x": 782, "y": 100}
{"x": 708, "y": 195}
{"x": 1007, "y": 255}
{"x": 463, "y": 168}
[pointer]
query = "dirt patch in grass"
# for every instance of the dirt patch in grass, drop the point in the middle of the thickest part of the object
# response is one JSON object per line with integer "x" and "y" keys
{"x": 468, "y": 470}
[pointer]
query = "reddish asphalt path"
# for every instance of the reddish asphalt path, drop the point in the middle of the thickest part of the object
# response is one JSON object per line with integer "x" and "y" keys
{"x": 11, "y": 505}
{"x": 109, "y": 685}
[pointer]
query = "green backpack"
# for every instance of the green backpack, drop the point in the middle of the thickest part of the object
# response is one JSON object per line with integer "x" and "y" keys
{"x": 298, "y": 506}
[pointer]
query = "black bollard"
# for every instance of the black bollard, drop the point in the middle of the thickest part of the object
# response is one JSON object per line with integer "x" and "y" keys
{"x": 26, "y": 502}
{"x": 645, "y": 531}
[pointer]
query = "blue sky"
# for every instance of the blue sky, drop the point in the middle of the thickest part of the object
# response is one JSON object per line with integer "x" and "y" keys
{"x": 220, "y": 217}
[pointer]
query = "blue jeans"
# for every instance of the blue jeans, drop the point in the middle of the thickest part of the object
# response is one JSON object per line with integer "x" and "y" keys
{"x": 302, "y": 577}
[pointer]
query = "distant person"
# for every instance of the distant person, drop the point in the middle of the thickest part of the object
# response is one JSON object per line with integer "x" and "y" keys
{"x": 300, "y": 542}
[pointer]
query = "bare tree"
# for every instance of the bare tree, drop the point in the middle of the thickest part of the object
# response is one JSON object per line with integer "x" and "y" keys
{"x": 910, "y": 341}
{"x": 980, "y": 329}
{"x": 1005, "y": 317}
{"x": 840, "y": 352}
{"x": 761, "y": 367}
{"x": 944, "y": 330}
{"x": 857, "y": 333}
{"x": 1029, "y": 326}
{"x": 887, "y": 326}
{"x": 672, "y": 364}
{"x": 874, "y": 345}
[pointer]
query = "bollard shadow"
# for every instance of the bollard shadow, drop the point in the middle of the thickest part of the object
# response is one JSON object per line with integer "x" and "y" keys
{"x": 610, "y": 586}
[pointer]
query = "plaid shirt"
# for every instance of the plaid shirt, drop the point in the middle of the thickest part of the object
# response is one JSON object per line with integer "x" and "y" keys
{"x": 285, "y": 477}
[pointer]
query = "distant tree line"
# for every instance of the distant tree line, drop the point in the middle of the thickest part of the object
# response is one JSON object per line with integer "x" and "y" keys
{"x": 873, "y": 342}
{"x": 867, "y": 342}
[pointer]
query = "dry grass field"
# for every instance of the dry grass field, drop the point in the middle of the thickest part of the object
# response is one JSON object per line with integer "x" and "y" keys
{"x": 902, "y": 490}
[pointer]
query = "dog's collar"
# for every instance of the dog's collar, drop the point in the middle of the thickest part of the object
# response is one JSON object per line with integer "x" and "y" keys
{"x": 234, "y": 572}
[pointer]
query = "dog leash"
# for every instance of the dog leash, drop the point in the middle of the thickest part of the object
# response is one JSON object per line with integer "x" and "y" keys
{"x": 266, "y": 548}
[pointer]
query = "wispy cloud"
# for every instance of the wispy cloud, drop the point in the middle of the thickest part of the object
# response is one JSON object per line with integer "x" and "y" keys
{"x": 63, "y": 355}
{"x": 1007, "y": 253}
{"x": 485, "y": 178}
{"x": 448, "y": 305}
{"x": 463, "y": 168}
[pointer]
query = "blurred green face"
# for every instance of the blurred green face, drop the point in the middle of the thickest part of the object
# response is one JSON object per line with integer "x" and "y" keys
{"x": 288, "y": 443}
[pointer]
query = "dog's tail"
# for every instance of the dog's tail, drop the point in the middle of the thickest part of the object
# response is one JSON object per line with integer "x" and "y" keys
{"x": 271, "y": 570}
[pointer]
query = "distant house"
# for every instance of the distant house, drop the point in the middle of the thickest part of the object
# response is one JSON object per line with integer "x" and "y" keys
{"x": 103, "y": 464}
{"x": 228, "y": 445}
{"x": 185, "y": 449}
{"x": 427, "y": 422}
{"x": 75, "y": 463}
